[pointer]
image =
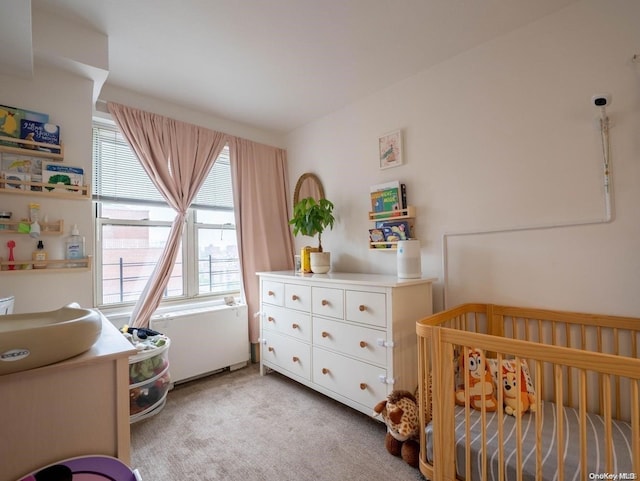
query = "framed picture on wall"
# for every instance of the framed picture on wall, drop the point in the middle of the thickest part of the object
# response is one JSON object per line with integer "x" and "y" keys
{"x": 390, "y": 149}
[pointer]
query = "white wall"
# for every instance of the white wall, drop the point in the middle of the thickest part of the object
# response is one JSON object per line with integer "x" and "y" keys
{"x": 502, "y": 136}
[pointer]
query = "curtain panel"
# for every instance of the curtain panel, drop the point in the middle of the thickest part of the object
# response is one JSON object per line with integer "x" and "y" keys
{"x": 265, "y": 241}
{"x": 177, "y": 156}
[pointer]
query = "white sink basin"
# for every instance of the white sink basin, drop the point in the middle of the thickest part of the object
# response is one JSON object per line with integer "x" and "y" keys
{"x": 36, "y": 339}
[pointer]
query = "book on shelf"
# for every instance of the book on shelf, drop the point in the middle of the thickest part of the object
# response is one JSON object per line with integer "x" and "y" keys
{"x": 10, "y": 119}
{"x": 40, "y": 132}
{"x": 60, "y": 175}
{"x": 386, "y": 198}
{"x": 394, "y": 230}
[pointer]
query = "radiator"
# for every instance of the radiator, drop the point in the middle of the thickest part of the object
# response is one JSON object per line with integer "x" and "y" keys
{"x": 205, "y": 340}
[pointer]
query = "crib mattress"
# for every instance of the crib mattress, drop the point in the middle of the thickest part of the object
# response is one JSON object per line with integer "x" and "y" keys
{"x": 596, "y": 455}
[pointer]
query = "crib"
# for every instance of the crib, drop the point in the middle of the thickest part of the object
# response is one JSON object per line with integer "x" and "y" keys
{"x": 581, "y": 373}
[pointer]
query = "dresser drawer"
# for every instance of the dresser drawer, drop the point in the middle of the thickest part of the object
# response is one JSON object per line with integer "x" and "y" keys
{"x": 273, "y": 293}
{"x": 286, "y": 353}
{"x": 366, "y": 307}
{"x": 297, "y": 297}
{"x": 327, "y": 302}
{"x": 356, "y": 341}
{"x": 287, "y": 321}
{"x": 352, "y": 379}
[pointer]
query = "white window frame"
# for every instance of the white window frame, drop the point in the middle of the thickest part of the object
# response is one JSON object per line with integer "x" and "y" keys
{"x": 190, "y": 273}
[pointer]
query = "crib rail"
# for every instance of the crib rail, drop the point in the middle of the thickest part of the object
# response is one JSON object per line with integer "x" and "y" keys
{"x": 583, "y": 361}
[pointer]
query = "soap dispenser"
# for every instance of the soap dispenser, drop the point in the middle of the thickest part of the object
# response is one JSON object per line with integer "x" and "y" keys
{"x": 38, "y": 256}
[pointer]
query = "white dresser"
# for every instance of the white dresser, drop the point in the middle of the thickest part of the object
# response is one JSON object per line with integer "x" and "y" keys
{"x": 349, "y": 336}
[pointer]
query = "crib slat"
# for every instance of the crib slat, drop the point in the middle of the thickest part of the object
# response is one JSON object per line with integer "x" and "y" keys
{"x": 600, "y": 394}
{"x": 567, "y": 343}
{"x": 483, "y": 418}
{"x": 635, "y": 425}
{"x": 500, "y": 398}
{"x": 467, "y": 415}
{"x": 518, "y": 417}
{"x": 444, "y": 458}
{"x": 538, "y": 390}
{"x": 606, "y": 396}
{"x": 559, "y": 419}
{"x": 582, "y": 386}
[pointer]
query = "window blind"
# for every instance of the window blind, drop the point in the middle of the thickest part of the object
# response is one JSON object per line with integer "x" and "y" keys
{"x": 119, "y": 177}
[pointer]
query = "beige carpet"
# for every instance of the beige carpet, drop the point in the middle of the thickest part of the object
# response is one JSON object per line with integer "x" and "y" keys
{"x": 240, "y": 426}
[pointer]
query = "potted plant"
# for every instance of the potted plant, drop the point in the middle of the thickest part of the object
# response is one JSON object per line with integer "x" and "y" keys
{"x": 311, "y": 217}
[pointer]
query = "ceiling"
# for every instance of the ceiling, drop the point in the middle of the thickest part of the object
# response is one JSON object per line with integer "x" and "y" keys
{"x": 279, "y": 64}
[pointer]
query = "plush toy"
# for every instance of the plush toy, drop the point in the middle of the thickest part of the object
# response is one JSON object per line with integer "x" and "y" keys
{"x": 480, "y": 383}
{"x": 400, "y": 413}
{"x": 512, "y": 397}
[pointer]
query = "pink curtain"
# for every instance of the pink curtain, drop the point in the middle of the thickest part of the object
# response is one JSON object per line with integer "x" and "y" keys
{"x": 260, "y": 188}
{"x": 177, "y": 157}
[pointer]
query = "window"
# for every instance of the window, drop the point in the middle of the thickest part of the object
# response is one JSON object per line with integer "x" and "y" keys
{"x": 133, "y": 222}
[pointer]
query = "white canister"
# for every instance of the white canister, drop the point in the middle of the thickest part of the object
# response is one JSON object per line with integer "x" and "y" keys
{"x": 409, "y": 262}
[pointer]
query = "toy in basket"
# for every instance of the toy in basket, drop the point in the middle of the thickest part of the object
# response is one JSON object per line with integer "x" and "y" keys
{"x": 85, "y": 468}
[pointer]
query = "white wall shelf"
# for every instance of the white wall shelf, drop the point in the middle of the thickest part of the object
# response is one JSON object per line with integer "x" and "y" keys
{"x": 55, "y": 265}
{"x": 32, "y": 149}
{"x": 46, "y": 228}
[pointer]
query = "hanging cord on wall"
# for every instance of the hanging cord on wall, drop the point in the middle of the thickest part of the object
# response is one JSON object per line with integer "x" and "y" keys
{"x": 608, "y": 206}
{"x": 606, "y": 150}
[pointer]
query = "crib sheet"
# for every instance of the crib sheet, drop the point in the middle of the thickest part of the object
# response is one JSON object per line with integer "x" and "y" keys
{"x": 595, "y": 435}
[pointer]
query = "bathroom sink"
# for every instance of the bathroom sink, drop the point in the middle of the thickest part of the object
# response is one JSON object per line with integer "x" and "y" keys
{"x": 37, "y": 339}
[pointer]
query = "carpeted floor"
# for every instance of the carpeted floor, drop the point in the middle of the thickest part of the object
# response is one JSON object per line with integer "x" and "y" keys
{"x": 240, "y": 426}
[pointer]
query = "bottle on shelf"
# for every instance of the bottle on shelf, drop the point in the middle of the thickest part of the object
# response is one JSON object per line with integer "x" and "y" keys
{"x": 74, "y": 245}
{"x": 39, "y": 255}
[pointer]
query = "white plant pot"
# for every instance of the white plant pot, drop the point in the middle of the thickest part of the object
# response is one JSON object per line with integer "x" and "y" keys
{"x": 320, "y": 262}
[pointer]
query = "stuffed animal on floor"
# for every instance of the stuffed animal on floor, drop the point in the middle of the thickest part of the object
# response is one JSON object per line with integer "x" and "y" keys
{"x": 480, "y": 383}
{"x": 511, "y": 396}
{"x": 400, "y": 413}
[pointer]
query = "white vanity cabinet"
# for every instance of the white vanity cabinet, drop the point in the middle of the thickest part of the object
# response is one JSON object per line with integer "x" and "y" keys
{"x": 349, "y": 336}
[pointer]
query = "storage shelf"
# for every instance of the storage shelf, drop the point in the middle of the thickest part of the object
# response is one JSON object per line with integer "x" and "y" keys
{"x": 383, "y": 246}
{"x": 30, "y": 148}
{"x": 25, "y": 187}
{"x": 55, "y": 265}
{"x": 409, "y": 213}
{"x": 46, "y": 228}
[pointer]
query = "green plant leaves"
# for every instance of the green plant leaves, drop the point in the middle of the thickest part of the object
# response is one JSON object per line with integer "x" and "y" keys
{"x": 311, "y": 217}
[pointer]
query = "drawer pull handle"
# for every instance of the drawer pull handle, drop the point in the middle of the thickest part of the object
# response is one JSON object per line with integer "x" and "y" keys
{"x": 295, "y": 359}
{"x": 363, "y": 386}
{"x": 325, "y": 371}
{"x": 271, "y": 293}
{"x": 294, "y": 297}
{"x": 271, "y": 349}
{"x": 363, "y": 344}
{"x": 270, "y": 319}
{"x": 325, "y": 302}
{"x": 295, "y": 326}
{"x": 325, "y": 334}
{"x": 362, "y": 308}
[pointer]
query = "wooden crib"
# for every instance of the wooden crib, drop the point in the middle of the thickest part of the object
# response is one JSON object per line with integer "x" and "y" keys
{"x": 583, "y": 381}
